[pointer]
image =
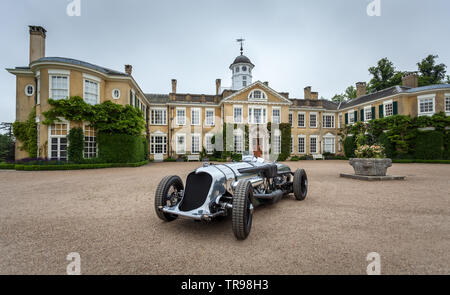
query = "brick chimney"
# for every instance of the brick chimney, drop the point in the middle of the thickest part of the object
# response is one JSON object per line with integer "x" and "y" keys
{"x": 361, "y": 89}
{"x": 308, "y": 92}
{"x": 315, "y": 95}
{"x": 410, "y": 79}
{"x": 174, "y": 86}
{"x": 128, "y": 69}
{"x": 218, "y": 85}
{"x": 37, "y": 42}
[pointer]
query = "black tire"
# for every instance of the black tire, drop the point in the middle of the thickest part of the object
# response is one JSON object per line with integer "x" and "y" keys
{"x": 161, "y": 195}
{"x": 300, "y": 184}
{"x": 242, "y": 213}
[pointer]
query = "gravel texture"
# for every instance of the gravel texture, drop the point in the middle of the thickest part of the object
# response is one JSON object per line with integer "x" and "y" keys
{"x": 107, "y": 216}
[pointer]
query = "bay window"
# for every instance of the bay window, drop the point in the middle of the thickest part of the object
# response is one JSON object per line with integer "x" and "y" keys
{"x": 91, "y": 92}
{"x": 59, "y": 87}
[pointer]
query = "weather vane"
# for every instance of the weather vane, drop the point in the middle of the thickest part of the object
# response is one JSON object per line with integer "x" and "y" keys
{"x": 241, "y": 40}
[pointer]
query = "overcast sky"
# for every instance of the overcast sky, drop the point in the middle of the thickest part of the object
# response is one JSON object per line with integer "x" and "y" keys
{"x": 328, "y": 45}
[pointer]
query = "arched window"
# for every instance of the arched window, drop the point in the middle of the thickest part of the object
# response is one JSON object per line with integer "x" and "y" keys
{"x": 257, "y": 95}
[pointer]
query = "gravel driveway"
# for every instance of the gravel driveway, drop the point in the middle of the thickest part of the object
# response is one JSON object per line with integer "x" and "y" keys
{"x": 107, "y": 216}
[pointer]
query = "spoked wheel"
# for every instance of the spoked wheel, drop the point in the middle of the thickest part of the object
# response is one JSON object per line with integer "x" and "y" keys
{"x": 300, "y": 184}
{"x": 167, "y": 194}
{"x": 242, "y": 214}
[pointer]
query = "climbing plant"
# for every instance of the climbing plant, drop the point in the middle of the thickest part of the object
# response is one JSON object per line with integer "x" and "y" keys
{"x": 107, "y": 117}
{"x": 26, "y": 133}
{"x": 76, "y": 145}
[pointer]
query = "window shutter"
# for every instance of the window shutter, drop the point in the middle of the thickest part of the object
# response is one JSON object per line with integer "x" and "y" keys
{"x": 131, "y": 97}
{"x": 373, "y": 113}
{"x": 395, "y": 107}
{"x": 346, "y": 118}
{"x": 380, "y": 111}
{"x": 356, "y": 116}
{"x": 362, "y": 115}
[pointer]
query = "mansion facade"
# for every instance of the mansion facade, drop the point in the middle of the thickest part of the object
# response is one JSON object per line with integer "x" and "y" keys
{"x": 181, "y": 124}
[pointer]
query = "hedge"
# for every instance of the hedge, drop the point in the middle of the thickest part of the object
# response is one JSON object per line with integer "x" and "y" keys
{"x": 350, "y": 146}
{"x": 76, "y": 166}
{"x": 389, "y": 150}
{"x": 76, "y": 145}
{"x": 121, "y": 148}
{"x": 4, "y": 166}
{"x": 429, "y": 145}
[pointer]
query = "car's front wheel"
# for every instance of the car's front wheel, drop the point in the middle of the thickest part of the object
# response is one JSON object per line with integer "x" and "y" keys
{"x": 242, "y": 213}
{"x": 300, "y": 184}
{"x": 167, "y": 194}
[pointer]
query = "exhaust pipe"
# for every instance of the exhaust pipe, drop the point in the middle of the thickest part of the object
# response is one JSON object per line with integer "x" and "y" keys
{"x": 275, "y": 195}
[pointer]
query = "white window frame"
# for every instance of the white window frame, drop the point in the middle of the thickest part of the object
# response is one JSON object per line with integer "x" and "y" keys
{"x": 58, "y": 73}
{"x": 447, "y": 104}
{"x": 26, "y": 90}
{"x": 304, "y": 119}
{"x": 313, "y": 113}
{"x": 155, "y": 144}
{"x": 238, "y": 148}
{"x": 304, "y": 144}
{"x": 421, "y": 98}
{"x": 385, "y": 105}
{"x": 317, "y": 144}
{"x": 333, "y": 150}
{"x": 340, "y": 117}
{"x": 91, "y": 79}
{"x": 368, "y": 110}
{"x": 277, "y": 144}
{"x": 238, "y": 107}
{"x": 351, "y": 114}
{"x": 332, "y": 120}
{"x": 96, "y": 143}
{"x": 200, "y": 146}
{"x": 278, "y": 121}
{"x": 153, "y": 120}
{"x": 38, "y": 88}
{"x": 199, "y": 111}
{"x": 113, "y": 94}
{"x": 209, "y": 147}
{"x": 180, "y": 150}
{"x": 213, "y": 122}
{"x": 251, "y": 96}
{"x": 50, "y": 136}
{"x": 251, "y": 114}
{"x": 178, "y": 118}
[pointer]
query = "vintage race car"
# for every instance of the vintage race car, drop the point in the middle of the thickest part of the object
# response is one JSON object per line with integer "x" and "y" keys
{"x": 228, "y": 189}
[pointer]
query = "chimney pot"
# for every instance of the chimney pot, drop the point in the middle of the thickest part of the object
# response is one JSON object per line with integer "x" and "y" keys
{"x": 361, "y": 89}
{"x": 308, "y": 92}
{"x": 37, "y": 42}
{"x": 128, "y": 69}
{"x": 174, "y": 86}
{"x": 218, "y": 85}
{"x": 410, "y": 79}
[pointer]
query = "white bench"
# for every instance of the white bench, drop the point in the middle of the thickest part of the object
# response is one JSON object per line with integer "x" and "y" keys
{"x": 193, "y": 158}
{"x": 158, "y": 158}
{"x": 318, "y": 157}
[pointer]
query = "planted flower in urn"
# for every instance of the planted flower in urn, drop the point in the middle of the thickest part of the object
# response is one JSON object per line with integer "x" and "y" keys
{"x": 370, "y": 160}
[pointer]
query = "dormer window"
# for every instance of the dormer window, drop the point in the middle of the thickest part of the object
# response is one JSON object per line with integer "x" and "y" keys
{"x": 257, "y": 95}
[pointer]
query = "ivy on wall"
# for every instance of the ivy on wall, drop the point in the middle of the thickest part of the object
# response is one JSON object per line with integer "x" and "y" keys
{"x": 26, "y": 133}
{"x": 76, "y": 146}
{"x": 286, "y": 133}
{"x": 106, "y": 117}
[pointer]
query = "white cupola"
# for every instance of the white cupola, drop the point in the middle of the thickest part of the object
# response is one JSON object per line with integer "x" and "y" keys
{"x": 241, "y": 70}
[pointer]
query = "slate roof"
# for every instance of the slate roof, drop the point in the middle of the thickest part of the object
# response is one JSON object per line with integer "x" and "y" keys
{"x": 81, "y": 63}
{"x": 241, "y": 59}
{"x": 157, "y": 98}
{"x": 430, "y": 87}
{"x": 374, "y": 96}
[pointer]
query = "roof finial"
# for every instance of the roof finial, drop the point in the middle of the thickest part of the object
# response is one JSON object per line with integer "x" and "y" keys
{"x": 241, "y": 40}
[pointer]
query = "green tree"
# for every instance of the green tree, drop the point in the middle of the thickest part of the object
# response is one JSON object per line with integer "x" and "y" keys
{"x": 339, "y": 98}
{"x": 350, "y": 92}
{"x": 431, "y": 73}
{"x": 384, "y": 76}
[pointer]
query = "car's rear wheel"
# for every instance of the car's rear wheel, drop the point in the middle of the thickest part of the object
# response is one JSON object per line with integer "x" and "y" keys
{"x": 300, "y": 184}
{"x": 242, "y": 213}
{"x": 167, "y": 194}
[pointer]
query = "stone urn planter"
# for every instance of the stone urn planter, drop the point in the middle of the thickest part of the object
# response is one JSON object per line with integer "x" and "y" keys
{"x": 370, "y": 167}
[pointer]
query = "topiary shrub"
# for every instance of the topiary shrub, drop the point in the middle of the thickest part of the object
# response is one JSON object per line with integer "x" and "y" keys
{"x": 429, "y": 145}
{"x": 349, "y": 146}
{"x": 120, "y": 148}
{"x": 76, "y": 145}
